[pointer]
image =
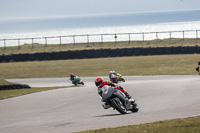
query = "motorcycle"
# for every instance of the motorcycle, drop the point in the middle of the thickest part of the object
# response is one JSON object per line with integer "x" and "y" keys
{"x": 77, "y": 80}
{"x": 116, "y": 78}
{"x": 117, "y": 100}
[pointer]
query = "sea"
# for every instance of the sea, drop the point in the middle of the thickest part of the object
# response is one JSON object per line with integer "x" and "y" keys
{"x": 98, "y": 24}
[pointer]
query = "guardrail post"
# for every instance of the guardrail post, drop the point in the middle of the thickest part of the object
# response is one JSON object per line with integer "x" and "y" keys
{"x": 18, "y": 43}
{"x": 156, "y": 37}
{"x": 183, "y": 36}
{"x": 129, "y": 37}
{"x": 101, "y": 38}
{"x": 60, "y": 41}
{"x": 196, "y": 36}
{"x": 143, "y": 36}
{"x": 88, "y": 39}
{"x": 46, "y": 41}
{"x": 115, "y": 38}
{"x": 32, "y": 43}
{"x": 4, "y": 43}
{"x": 74, "y": 39}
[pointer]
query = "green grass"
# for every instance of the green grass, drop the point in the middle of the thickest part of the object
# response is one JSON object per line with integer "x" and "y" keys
{"x": 19, "y": 92}
{"x": 134, "y": 65}
{"x": 29, "y": 48}
{"x": 4, "y": 82}
{"x": 186, "y": 125}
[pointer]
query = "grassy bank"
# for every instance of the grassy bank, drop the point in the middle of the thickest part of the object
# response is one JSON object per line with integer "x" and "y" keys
{"x": 135, "y": 65}
{"x": 35, "y": 48}
{"x": 187, "y": 125}
{"x": 19, "y": 92}
{"x": 138, "y": 65}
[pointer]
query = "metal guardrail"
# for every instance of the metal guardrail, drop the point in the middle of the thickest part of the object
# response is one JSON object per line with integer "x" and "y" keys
{"x": 91, "y": 38}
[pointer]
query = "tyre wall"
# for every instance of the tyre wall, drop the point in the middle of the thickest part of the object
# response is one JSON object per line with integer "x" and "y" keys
{"x": 97, "y": 53}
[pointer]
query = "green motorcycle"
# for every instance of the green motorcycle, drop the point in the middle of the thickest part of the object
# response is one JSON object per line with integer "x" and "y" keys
{"x": 77, "y": 80}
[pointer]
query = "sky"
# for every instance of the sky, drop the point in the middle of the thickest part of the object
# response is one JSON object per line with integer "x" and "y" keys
{"x": 13, "y": 9}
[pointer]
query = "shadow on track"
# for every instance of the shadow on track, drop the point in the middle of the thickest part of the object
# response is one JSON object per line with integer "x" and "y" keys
{"x": 112, "y": 115}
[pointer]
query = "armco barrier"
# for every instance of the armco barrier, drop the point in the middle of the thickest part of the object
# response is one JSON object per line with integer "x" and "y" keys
{"x": 89, "y": 53}
{"x": 153, "y": 51}
{"x": 192, "y": 50}
{"x": 97, "y": 53}
{"x": 73, "y": 55}
{"x": 40, "y": 56}
{"x": 81, "y": 54}
{"x": 137, "y": 51}
{"x": 33, "y": 57}
{"x": 161, "y": 50}
{"x": 129, "y": 51}
{"x": 114, "y": 52}
{"x": 105, "y": 52}
{"x": 197, "y": 49}
{"x": 146, "y": 51}
{"x": 64, "y": 55}
{"x": 13, "y": 86}
{"x": 169, "y": 50}
{"x": 121, "y": 52}
{"x": 56, "y": 55}
{"x": 6, "y": 58}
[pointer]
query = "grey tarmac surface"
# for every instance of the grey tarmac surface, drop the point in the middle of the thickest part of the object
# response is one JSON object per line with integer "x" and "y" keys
{"x": 79, "y": 108}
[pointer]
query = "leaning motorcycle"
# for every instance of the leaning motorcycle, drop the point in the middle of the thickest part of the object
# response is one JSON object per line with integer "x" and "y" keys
{"x": 115, "y": 78}
{"x": 117, "y": 100}
{"x": 120, "y": 78}
{"x": 77, "y": 80}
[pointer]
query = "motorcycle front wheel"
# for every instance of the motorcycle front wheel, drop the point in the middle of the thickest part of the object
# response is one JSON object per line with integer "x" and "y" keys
{"x": 118, "y": 106}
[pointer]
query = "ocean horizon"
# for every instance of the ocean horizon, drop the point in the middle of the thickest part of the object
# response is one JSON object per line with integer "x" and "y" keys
{"x": 100, "y": 24}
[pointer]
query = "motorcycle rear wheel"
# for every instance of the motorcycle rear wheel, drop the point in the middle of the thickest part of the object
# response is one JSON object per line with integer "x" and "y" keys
{"x": 119, "y": 107}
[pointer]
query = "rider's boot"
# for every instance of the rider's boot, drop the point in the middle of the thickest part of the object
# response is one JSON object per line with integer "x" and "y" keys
{"x": 128, "y": 95}
{"x": 106, "y": 105}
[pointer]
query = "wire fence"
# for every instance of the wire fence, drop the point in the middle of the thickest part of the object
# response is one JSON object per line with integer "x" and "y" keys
{"x": 102, "y": 38}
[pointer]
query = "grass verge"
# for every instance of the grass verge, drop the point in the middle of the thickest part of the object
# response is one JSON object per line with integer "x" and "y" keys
{"x": 186, "y": 125}
{"x": 19, "y": 92}
{"x": 132, "y": 65}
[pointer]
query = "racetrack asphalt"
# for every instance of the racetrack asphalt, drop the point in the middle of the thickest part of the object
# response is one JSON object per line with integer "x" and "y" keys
{"x": 79, "y": 108}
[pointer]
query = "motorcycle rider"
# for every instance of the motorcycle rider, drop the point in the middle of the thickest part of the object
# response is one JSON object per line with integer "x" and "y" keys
{"x": 99, "y": 82}
{"x": 112, "y": 76}
{"x": 72, "y": 76}
{"x": 197, "y": 68}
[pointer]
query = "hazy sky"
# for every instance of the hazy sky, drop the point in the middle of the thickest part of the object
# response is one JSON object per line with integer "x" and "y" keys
{"x": 51, "y": 8}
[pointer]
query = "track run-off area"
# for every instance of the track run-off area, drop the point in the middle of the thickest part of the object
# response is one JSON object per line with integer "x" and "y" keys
{"x": 79, "y": 108}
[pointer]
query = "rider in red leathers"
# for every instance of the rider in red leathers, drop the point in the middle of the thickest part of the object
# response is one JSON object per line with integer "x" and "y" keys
{"x": 99, "y": 82}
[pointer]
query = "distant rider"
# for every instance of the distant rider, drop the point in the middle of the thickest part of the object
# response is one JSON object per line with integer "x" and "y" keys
{"x": 99, "y": 82}
{"x": 197, "y": 69}
{"x": 112, "y": 76}
{"x": 72, "y": 76}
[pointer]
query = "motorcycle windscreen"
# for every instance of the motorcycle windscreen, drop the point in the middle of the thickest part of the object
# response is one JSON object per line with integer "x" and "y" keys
{"x": 107, "y": 92}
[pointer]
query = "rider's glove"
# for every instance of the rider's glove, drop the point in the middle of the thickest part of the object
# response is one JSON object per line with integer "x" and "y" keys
{"x": 113, "y": 85}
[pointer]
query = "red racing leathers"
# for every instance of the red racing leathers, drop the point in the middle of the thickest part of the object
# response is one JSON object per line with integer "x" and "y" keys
{"x": 109, "y": 83}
